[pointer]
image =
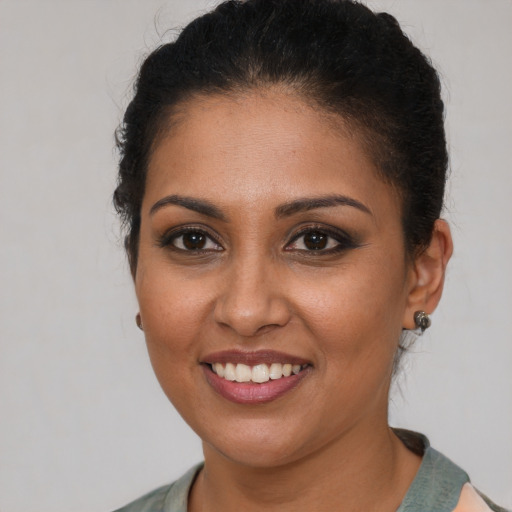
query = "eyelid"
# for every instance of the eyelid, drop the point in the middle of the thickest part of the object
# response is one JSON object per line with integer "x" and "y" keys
{"x": 344, "y": 239}
{"x": 165, "y": 240}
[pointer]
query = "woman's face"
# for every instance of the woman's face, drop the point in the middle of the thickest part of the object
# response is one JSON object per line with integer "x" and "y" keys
{"x": 268, "y": 242}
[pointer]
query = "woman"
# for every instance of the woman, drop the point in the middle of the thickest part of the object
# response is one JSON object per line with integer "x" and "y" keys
{"x": 282, "y": 178}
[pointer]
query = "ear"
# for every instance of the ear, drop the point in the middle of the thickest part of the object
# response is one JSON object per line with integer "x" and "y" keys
{"x": 426, "y": 276}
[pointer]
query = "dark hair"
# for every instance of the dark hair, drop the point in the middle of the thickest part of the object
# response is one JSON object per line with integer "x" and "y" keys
{"x": 336, "y": 54}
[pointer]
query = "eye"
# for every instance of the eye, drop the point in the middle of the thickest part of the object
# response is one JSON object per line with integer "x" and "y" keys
{"x": 320, "y": 240}
{"x": 190, "y": 240}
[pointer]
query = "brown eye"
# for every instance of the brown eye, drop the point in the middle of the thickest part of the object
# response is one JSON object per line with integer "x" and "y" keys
{"x": 191, "y": 240}
{"x": 315, "y": 240}
{"x": 320, "y": 241}
{"x": 194, "y": 240}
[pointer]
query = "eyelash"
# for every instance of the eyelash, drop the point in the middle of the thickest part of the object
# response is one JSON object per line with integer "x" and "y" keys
{"x": 343, "y": 240}
{"x": 166, "y": 241}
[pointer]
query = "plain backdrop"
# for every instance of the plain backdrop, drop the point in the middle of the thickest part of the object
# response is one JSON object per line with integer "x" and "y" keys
{"x": 83, "y": 423}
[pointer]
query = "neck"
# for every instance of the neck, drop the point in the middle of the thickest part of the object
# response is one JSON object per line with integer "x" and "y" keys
{"x": 364, "y": 470}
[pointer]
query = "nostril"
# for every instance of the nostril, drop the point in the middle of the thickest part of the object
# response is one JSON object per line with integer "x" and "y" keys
{"x": 266, "y": 328}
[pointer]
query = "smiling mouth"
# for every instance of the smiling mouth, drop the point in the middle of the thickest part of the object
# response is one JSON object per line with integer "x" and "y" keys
{"x": 254, "y": 377}
{"x": 259, "y": 373}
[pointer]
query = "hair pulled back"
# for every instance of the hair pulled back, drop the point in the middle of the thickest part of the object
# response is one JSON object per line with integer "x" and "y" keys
{"x": 336, "y": 54}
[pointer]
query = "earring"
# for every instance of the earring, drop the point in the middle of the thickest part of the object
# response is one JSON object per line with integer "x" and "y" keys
{"x": 422, "y": 320}
{"x": 138, "y": 321}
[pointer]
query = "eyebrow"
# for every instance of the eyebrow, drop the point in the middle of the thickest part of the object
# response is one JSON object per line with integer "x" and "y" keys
{"x": 204, "y": 207}
{"x": 311, "y": 203}
{"x": 197, "y": 205}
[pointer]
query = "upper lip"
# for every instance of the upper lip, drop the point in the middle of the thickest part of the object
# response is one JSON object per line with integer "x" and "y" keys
{"x": 253, "y": 358}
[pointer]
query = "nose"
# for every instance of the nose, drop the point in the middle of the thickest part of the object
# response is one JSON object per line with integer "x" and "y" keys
{"x": 251, "y": 301}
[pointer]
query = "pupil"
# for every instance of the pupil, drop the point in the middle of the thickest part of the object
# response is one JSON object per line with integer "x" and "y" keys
{"x": 194, "y": 240}
{"x": 315, "y": 240}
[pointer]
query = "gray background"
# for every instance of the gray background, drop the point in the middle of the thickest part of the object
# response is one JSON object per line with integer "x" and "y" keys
{"x": 83, "y": 423}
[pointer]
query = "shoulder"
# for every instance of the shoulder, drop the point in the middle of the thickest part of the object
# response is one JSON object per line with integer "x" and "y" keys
{"x": 440, "y": 485}
{"x": 473, "y": 501}
{"x": 168, "y": 498}
{"x": 151, "y": 502}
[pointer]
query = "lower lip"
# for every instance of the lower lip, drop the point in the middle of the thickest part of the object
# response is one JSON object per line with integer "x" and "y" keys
{"x": 252, "y": 392}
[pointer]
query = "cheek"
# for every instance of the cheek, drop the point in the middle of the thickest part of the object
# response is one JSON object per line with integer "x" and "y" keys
{"x": 170, "y": 304}
{"x": 173, "y": 311}
{"x": 354, "y": 310}
{"x": 171, "y": 323}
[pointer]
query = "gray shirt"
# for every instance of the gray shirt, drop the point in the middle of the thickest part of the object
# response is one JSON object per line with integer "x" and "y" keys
{"x": 437, "y": 486}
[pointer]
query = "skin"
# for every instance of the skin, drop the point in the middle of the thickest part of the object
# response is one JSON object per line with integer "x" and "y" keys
{"x": 326, "y": 444}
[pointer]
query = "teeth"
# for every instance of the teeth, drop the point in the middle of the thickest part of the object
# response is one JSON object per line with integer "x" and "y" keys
{"x": 243, "y": 373}
{"x": 259, "y": 373}
{"x": 219, "y": 369}
{"x": 276, "y": 370}
{"x": 229, "y": 372}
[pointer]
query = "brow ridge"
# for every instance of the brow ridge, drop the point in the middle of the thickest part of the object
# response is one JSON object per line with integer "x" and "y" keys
{"x": 205, "y": 207}
{"x": 311, "y": 203}
{"x": 201, "y": 206}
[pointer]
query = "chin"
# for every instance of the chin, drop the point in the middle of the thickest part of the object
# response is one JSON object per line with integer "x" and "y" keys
{"x": 258, "y": 444}
{"x": 257, "y": 454}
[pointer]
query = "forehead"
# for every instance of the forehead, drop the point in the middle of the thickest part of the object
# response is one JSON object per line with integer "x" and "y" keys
{"x": 260, "y": 145}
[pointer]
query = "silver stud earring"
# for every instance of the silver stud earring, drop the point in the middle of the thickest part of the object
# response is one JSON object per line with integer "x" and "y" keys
{"x": 138, "y": 321}
{"x": 422, "y": 320}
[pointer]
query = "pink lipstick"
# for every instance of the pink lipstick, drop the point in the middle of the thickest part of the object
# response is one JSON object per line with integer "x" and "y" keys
{"x": 254, "y": 377}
